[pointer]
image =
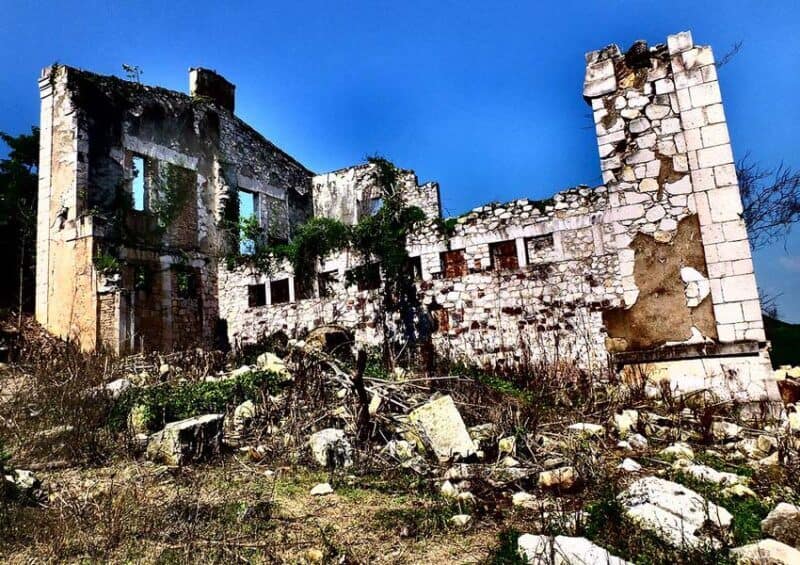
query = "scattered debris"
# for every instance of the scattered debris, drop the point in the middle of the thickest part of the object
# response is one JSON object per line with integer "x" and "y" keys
{"x": 673, "y": 512}
{"x": 191, "y": 439}
{"x": 438, "y": 424}
{"x": 562, "y": 550}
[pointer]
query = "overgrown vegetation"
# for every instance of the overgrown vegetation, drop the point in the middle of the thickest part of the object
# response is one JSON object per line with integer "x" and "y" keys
{"x": 173, "y": 401}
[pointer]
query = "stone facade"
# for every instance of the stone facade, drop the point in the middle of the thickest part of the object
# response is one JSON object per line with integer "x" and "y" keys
{"x": 651, "y": 267}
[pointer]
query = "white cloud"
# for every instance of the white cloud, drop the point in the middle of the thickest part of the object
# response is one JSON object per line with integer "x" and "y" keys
{"x": 790, "y": 263}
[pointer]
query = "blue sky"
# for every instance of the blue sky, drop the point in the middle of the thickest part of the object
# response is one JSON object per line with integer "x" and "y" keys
{"x": 483, "y": 97}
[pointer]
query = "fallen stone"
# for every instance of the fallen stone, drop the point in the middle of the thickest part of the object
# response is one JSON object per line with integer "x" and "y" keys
{"x": 725, "y": 431}
{"x": 273, "y": 364}
{"x": 563, "y": 478}
{"x": 461, "y": 520}
{"x": 738, "y": 491}
{"x": 448, "y": 490}
{"x": 482, "y": 433}
{"x": 24, "y": 484}
{"x": 240, "y": 372}
{"x": 438, "y": 424}
{"x": 400, "y": 449}
{"x": 524, "y": 500}
{"x": 116, "y": 387}
{"x": 321, "y": 489}
{"x": 331, "y": 449}
{"x": 677, "y": 450}
{"x": 673, "y": 512}
{"x": 769, "y": 461}
{"x": 638, "y": 441}
{"x": 509, "y": 461}
{"x": 624, "y": 445}
{"x": 766, "y": 552}
{"x": 563, "y": 550}
{"x": 625, "y": 422}
{"x": 706, "y": 474}
{"x": 783, "y": 524}
{"x": 243, "y": 415}
{"x": 507, "y": 445}
{"x": 630, "y": 466}
{"x": 587, "y": 430}
{"x": 187, "y": 440}
{"x": 466, "y": 497}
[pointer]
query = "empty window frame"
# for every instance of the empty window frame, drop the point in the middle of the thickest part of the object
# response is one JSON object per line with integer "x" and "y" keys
{"x": 454, "y": 264}
{"x": 249, "y": 221}
{"x": 139, "y": 182}
{"x": 326, "y": 282}
{"x": 414, "y": 265}
{"x": 366, "y": 277}
{"x": 256, "y": 295}
{"x": 538, "y": 248}
{"x": 187, "y": 282}
{"x": 303, "y": 289}
{"x": 279, "y": 291}
{"x": 142, "y": 278}
{"x": 503, "y": 255}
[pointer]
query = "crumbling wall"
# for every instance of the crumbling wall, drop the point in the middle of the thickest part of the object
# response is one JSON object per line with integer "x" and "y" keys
{"x": 654, "y": 258}
{"x": 665, "y": 154}
{"x": 198, "y": 154}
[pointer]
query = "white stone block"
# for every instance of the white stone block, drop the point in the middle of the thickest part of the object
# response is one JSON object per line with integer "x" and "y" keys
{"x": 670, "y": 125}
{"x": 703, "y": 179}
{"x": 684, "y": 99}
{"x": 664, "y": 86}
{"x": 751, "y": 309}
{"x": 705, "y": 56}
{"x": 725, "y": 175}
{"x": 734, "y": 230}
{"x": 599, "y": 79}
{"x": 693, "y": 139}
{"x": 680, "y": 42}
{"x": 725, "y": 204}
{"x": 716, "y": 134}
{"x": 743, "y": 266}
{"x": 712, "y": 233}
{"x": 715, "y": 113}
{"x": 726, "y": 333}
{"x": 705, "y": 94}
{"x": 709, "y": 73}
{"x": 755, "y": 335}
{"x": 713, "y": 156}
{"x": 694, "y": 118}
{"x": 733, "y": 250}
{"x": 728, "y": 313}
{"x": 739, "y": 288}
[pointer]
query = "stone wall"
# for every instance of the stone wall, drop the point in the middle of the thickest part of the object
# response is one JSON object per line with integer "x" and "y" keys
{"x": 652, "y": 266}
{"x": 654, "y": 260}
{"x": 93, "y": 127}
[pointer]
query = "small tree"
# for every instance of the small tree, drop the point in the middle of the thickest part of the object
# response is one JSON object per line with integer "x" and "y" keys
{"x": 771, "y": 201}
{"x": 18, "y": 197}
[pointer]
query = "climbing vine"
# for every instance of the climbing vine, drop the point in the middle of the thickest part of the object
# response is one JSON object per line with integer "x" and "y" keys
{"x": 377, "y": 239}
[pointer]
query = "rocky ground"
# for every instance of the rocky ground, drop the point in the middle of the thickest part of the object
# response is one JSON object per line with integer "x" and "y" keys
{"x": 303, "y": 455}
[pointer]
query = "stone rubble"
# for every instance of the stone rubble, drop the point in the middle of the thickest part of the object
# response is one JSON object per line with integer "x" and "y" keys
{"x": 562, "y": 550}
{"x": 673, "y": 512}
{"x": 187, "y": 440}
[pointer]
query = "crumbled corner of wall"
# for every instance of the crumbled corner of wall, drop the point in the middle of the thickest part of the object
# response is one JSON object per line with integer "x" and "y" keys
{"x": 661, "y": 313}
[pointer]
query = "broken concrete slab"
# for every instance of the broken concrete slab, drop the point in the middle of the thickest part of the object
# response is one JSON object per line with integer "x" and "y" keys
{"x": 673, "y": 512}
{"x": 439, "y": 426}
{"x": 563, "y": 550}
{"x": 187, "y": 440}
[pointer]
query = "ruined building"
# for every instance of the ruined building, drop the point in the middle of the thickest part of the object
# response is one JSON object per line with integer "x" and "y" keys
{"x": 651, "y": 269}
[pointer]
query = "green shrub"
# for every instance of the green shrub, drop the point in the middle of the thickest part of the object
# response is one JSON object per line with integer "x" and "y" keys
{"x": 174, "y": 401}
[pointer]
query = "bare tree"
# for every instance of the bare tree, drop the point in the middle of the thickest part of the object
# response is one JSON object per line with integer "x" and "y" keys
{"x": 771, "y": 201}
